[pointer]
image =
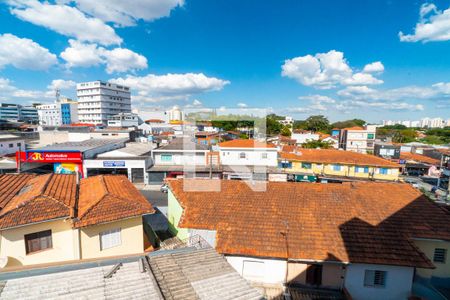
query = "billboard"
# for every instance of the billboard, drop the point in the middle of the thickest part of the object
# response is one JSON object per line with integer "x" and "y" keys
{"x": 113, "y": 163}
{"x": 65, "y": 168}
{"x": 49, "y": 157}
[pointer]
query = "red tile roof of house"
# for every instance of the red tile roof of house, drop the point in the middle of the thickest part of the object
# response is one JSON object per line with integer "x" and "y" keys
{"x": 30, "y": 199}
{"x": 366, "y": 222}
{"x": 419, "y": 158}
{"x": 241, "y": 143}
{"x": 109, "y": 198}
{"x": 330, "y": 156}
{"x": 154, "y": 121}
{"x": 354, "y": 128}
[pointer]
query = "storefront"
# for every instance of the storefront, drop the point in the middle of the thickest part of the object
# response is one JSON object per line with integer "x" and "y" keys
{"x": 64, "y": 162}
{"x": 133, "y": 168}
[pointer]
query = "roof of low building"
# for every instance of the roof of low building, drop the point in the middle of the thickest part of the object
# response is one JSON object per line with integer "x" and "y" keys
{"x": 10, "y": 137}
{"x": 29, "y": 199}
{"x": 408, "y": 156}
{"x": 130, "y": 149}
{"x": 109, "y": 198}
{"x": 168, "y": 274}
{"x": 82, "y": 145}
{"x": 245, "y": 143}
{"x": 354, "y": 128}
{"x": 358, "y": 222}
{"x": 331, "y": 156}
{"x": 183, "y": 144}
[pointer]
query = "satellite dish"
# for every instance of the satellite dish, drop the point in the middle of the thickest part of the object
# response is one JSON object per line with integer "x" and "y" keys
{"x": 3, "y": 261}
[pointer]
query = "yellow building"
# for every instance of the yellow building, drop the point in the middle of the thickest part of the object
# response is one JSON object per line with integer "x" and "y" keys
{"x": 338, "y": 163}
{"x": 50, "y": 218}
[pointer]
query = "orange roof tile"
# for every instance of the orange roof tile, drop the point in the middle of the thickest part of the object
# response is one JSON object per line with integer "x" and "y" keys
{"x": 10, "y": 185}
{"x": 109, "y": 198}
{"x": 330, "y": 156}
{"x": 354, "y": 128}
{"x": 419, "y": 158}
{"x": 353, "y": 222}
{"x": 241, "y": 143}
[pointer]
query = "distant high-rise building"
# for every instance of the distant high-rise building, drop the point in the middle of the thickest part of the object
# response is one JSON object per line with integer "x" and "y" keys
{"x": 62, "y": 112}
{"x": 17, "y": 112}
{"x": 98, "y": 101}
{"x": 175, "y": 114}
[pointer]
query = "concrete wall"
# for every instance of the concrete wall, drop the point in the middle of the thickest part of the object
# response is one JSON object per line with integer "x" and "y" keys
{"x": 332, "y": 274}
{"x": 442, "y": 269}
{"x": 270, "y": 271}
{"x": 63, "y": 239}
{"x": 301, "y": 138}
{"x": 180, "y": 158}
{"x": 253, "y": 157}
{"x": 132, "y": 238}
{"x": 174, "y": 213}
{"x": 17, "y": 145}
{"x": 398, "y": 282}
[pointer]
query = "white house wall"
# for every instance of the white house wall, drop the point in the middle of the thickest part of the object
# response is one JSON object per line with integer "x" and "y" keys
{"x": 272, "y": 271}
{"x": 180, "y": 158}
{"x": 398, "y": 282}
{"x": 253, "y": 157}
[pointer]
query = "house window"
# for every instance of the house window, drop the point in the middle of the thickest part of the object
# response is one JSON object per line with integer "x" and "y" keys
{"x": 166, "y": 157}
{"x": 110, "y": 238}
{"x": 11, "y": 145}
{"x": 38, "y": 241}
{"x": 264, "y": 155}
{"x": 440, "y": 255}
{"x": 242, "y": 155}
{"x": 362, "y": 169}
{"x": 306, "y": 165}
{"x": 337, "y": 167}
{"x": 375, "y": 278}
{"x": 383, "y": 171}
{"x": 370, "y": 136}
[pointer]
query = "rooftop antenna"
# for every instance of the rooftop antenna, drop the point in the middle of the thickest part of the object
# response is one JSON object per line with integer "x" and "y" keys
{"x": 57, "y": 94}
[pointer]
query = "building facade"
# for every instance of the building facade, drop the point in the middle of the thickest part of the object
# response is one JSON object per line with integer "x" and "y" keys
{"x": 63, "y": 112}
{"x": 9, "y": 144}
{"x": 17, "y": 112}
{"x": 124, "y": 120}
{"x": 358, "y": 139}
{"x": 98, "y": 101}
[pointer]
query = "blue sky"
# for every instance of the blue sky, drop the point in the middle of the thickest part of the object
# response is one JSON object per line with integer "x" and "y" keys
{"x": 343, "y": 59}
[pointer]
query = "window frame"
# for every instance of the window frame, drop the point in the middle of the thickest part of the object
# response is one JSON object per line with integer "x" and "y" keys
{"x": 371, "y": 275}
{"x": 242, "y": 155}
{"x": 306, "y": 165}
{"x": 264, "y": 155}
{"x": 38, "y": 236}
{"x": 337, "y": 167}
{"x": 444, "y": 255}
{"x": 109, "y": 232}
{"x": 166, "y": 156}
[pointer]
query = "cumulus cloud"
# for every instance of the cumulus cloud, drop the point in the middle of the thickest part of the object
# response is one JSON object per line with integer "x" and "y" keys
{"x": 116, "y": 60}
{"x": 375, "y": 67}
{"x": 61, "y": 84}
{"x": 433, "y": 25}
{"x": 315, "y": 103}
{"x": 407, "y": 92}
{"x": 9, "y": 92}
{"x": 242, "y": 105}
{"x": 154, "y": 87}
{"x": 126, "y": 13}
{"x": 382, "y": 106}
{"x": 24, "y": 53}
{"x": 66, "y": 20}
{"x": 326, "y": 70}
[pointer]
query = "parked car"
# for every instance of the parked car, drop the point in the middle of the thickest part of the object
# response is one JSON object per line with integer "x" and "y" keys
{"x": 164, "y": 188}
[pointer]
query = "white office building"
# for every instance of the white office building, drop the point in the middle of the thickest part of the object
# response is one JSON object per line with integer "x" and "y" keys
{"x": 63, "y": 112}
{"x": 98, "y": 101}
{"x": 124, "y": 120}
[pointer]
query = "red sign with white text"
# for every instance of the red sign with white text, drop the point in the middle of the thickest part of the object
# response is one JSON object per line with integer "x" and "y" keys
{"x": 49, "y": 157}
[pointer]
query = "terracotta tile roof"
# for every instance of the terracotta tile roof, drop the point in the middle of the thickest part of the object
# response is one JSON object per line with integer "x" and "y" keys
{"x": 41, "y": 198}
{"x": 240, "y": 143}
{"x": 354, "y": 222}
{"x": 330, "y": 156}
{"x": 29, "y": 199}
{"x": 11, "y": 184}
{"x": 109, "y": 198}
{"x": 419, "y": 158}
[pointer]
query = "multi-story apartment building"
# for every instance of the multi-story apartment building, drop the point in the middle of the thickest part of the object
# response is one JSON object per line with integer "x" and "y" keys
{"x": 17, "y": 112}
{"x": 358, "y": 139}
{"x": 62, "y": 112}
{"x": 98, "y": 101}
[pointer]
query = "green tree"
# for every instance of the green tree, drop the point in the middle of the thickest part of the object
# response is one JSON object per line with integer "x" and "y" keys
{"x": 285, "y": 131}
{"x": 317, "y": 123}
{"x": 404, "y": 136}
{"x": 317, "y": 144}
{"x": 349, "y": 123}
{"x": 273, "y": 126}
{"x": 299, "y": 124}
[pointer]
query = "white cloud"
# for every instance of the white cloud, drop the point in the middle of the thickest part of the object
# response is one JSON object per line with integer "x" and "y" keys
{"x": 402, "y": 93}
{"x": 24, "y": 53}
{"x": 126, "y": 13}
{"x": 316, "y": 103}
{"x": 9, "y": 92}
{"x": 170, "y": 86}
{"x": 122, "y": 60}
{"x": 433, "y": 25}
{"x": 325, "y": 71}
{"x": 65, "y": 20}
{"x": 116, "y": 60}
{"x": 382, "y": 106}
{"x": 61, "y": 84}
{"x": 242, "y": 105}
{"x": 196, "y": 102}
{"x": 375, "y": 67}
{"x": 318, "y": 98}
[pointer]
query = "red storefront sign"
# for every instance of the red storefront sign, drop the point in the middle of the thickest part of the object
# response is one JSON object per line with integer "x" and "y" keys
{"x": 49, "y": 157}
